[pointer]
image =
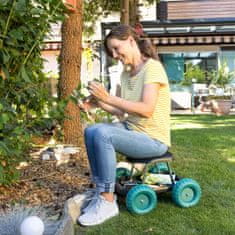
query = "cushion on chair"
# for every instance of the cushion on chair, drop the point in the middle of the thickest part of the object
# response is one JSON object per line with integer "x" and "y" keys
{"x": 165, "y": 157}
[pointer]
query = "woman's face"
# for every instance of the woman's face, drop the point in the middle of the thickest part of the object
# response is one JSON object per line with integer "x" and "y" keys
{"x": 122, "y": 50}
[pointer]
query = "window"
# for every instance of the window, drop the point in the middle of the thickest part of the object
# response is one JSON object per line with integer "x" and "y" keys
{"x": 176, "y": 64}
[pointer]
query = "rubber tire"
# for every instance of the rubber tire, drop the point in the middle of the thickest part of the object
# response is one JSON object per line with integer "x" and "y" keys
{"x": 138, "y": 193}
{"x": 186, "y": 193}
{"x": 122, "y": 172}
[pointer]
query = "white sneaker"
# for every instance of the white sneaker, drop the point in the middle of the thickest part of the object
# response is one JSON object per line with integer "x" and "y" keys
{"x": 100, "y": 212}
{"x": 91, "y": 196}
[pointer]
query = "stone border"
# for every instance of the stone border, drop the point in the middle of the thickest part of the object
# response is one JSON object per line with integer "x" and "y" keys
{"x": 72, "y": 210}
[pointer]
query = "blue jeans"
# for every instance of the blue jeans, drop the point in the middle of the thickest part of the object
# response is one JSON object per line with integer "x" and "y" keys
{"x": 103, "y": 140}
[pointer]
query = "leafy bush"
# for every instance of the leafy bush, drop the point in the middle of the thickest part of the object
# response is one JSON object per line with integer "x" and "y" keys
{"x": 222, "y": 76}
{"x": 193, "y": 72}
{"x": 26, "y": 107}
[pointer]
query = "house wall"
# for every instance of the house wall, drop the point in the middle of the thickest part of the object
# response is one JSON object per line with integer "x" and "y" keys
{"x": 199, "y": 9}
{"x": 50, "y": 61}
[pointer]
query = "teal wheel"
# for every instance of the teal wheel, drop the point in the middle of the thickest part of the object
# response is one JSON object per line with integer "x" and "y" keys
{"x": 141, "y": 199}
{"x": 186, "y": 193}
{"x": 122, "y": 172}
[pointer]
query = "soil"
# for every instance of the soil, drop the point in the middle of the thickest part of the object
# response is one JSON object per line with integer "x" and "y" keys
{"x": 43, "y": 183}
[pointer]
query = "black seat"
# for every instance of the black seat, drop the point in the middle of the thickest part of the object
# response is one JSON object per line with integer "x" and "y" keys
{"x": 165, "y": 157}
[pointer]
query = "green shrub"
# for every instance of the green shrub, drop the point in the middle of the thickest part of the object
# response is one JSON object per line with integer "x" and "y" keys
{"x": 26, "y": 107}
{"x": 193, "y": 72}
{"x": 222, "y": 76}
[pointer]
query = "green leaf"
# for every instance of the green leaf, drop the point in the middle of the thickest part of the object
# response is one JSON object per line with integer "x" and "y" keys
{"x": 17, "y": 34}
{"x": 4, "y": 148}
{"x": 37, "y": 11}
{"x": 14, "y": 52}
{"x": 3, "y": 3}
{"x": 1, "y": 173}
{"x": 2, "y": 25}
{"x": 21, "y": 6}
{"x": 1, "y": 56}
{"x": 74, "y": 99}
{"x": 4, "y": 56}
{"x": 4, "y": 118}
{"x": 24, "y": 74}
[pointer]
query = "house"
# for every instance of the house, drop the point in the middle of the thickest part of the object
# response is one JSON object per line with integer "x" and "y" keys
{"x": 191, "y": 32}
{"x": 186, "y": 32}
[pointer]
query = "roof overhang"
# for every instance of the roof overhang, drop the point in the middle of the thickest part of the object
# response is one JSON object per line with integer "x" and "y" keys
{"x": 181, "y": 32}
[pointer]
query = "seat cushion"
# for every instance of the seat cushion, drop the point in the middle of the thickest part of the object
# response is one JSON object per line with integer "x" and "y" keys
{"x": 165, "y": 157}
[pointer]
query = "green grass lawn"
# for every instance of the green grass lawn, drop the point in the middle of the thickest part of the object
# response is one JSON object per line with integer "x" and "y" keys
{"x": 204, "y": 149}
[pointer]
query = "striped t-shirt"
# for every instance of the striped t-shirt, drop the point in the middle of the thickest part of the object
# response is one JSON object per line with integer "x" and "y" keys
{"x": 158, "y": 125}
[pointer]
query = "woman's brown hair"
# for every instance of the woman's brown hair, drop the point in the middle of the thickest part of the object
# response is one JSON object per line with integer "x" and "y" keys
{"x": 122, "y": 32}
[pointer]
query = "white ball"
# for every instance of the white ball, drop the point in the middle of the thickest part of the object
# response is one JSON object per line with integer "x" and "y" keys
{"x": 32, "y": 225}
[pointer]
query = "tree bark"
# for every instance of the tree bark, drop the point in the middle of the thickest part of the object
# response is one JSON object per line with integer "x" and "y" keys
{"x": 124, "y": 14}
{"x": 70, "y": 68}
{"x": 134, "y": 15}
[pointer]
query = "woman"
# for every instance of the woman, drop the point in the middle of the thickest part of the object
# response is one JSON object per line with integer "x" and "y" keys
{"x": 144, "y": 133}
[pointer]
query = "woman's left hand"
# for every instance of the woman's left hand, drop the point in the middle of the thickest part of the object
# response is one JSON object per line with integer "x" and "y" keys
{"x": 98, "y": 91}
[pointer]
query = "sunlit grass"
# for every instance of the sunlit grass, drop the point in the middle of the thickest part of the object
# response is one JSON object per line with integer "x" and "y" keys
{"x": 200, "y": 121}
{"x": 231, "y": 160}
{"x": 175, "y": 126}
{"x": 204, "y": 149}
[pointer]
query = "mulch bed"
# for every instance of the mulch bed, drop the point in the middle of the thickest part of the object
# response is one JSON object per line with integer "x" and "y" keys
{"x": 43, "y": 183}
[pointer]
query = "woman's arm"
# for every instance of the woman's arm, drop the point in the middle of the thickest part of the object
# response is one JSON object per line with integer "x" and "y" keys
{"x": 145, "y": 107}
{"x": 90, "y": 102}
{"x": 111, "y": 109}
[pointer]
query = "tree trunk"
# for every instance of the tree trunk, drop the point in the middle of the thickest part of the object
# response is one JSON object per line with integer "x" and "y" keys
{"x": 134, "y": 15}
{"x": 70, "y": 68}
{"x": 124, "y": 14}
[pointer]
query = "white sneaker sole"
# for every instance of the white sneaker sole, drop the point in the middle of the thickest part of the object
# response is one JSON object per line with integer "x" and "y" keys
{"x": 100, "y": 221}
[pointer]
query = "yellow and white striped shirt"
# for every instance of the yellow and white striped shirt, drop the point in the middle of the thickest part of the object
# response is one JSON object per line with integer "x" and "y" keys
{"x": 158, "y": 125}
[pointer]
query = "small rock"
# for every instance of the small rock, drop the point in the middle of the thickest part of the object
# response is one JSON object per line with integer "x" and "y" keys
{"x": 73, "y": 206}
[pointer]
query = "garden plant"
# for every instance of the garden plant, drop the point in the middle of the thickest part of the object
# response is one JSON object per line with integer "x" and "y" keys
{"x": 26, "y": 107}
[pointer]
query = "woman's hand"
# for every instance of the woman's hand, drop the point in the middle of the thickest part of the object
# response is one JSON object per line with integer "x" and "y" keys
{"x": 88, "y": 103}
{"x": 98, "y": 91}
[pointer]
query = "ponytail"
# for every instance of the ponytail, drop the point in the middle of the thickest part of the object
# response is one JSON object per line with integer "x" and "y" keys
{"x": 147, "y": 48}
